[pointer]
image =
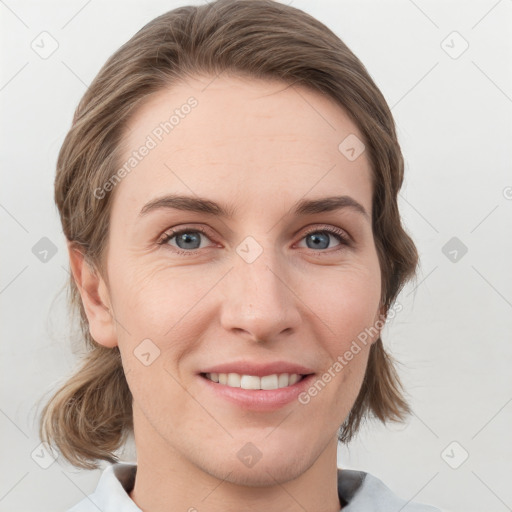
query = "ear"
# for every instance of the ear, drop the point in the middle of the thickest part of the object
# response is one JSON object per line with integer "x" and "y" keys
{"x": 95, "y": 298}
{"x": 379, "y": 321}
{"x": 381, "y": 314}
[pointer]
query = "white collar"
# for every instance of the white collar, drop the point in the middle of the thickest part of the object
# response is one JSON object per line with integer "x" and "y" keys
{"x": 362, "y": 491}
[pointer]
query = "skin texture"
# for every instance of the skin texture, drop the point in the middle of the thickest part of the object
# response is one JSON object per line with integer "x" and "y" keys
{"x": 257, "y": 146}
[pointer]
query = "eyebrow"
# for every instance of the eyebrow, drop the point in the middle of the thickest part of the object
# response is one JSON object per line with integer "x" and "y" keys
{"x": 301, "y": 208}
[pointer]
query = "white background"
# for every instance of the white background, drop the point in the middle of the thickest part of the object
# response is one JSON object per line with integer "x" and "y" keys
{"x": 453, "y": 337}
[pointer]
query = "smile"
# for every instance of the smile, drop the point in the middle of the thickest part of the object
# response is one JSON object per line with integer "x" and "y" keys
{"x": 267, "y": 382}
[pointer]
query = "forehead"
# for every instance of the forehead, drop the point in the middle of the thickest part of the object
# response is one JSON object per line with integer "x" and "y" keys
{"x": 247, "y": 137}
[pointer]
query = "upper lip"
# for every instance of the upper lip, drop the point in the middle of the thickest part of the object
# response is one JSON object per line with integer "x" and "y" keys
{"x": 259, "y": 369}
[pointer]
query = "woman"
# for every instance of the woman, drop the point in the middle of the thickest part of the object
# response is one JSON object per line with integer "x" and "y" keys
{"x": 228, "y": 191}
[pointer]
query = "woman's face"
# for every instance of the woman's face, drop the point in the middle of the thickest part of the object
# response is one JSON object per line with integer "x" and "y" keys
{"x": 263, "y": 283}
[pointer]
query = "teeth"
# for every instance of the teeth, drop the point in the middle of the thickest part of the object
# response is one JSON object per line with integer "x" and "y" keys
{"x": 283, "y": 380}
{"x": 268, "y": 382}
{"x": 233, "y": 380}
{"x": 244, "y": 382}
{"x": 272, "y": 381}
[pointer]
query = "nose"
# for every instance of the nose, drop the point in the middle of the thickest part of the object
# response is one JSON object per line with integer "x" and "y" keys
{"x": 260, "y": 301}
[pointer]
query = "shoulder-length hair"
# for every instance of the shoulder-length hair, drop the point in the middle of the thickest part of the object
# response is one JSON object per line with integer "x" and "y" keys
{"x": 90, "y": 416}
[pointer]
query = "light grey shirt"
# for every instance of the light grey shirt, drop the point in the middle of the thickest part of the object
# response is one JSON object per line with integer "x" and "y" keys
{"x": 361, "y": 491}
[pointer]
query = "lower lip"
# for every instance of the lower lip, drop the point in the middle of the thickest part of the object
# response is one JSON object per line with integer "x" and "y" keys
{"x": 259, "y": 399}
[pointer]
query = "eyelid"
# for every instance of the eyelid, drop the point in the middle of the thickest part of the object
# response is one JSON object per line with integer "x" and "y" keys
{"x": 172, "y": 232}
{"x": 344, "y": 237}
{"x": 330, "y": 229}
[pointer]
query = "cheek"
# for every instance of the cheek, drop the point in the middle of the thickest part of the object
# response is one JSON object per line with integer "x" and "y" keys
{"x": 347, "y": 299}
{"x": 156, "y": 328}
{"x": 152, "y": 299}
{"x": 159, "y": 322}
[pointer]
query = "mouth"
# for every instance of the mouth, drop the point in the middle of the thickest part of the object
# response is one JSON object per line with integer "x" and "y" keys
{"x": 254, "y": 382}
{"x": 259, "y": 394}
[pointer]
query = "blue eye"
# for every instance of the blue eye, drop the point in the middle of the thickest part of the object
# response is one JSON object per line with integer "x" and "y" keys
{"x": 188, "y": 241}
{"x": 320, "y": 238}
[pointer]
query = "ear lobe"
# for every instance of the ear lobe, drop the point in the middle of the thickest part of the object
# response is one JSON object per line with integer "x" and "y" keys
{"x": 379, "y": 322}
{"x": 95, "y": 298}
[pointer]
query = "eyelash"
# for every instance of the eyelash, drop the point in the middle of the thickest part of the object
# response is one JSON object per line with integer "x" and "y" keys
{"x": 337, "y": 232}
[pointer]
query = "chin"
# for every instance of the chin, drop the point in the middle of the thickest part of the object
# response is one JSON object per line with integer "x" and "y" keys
{"x": 262, "y": 474}
{"x": 254, "y": 465}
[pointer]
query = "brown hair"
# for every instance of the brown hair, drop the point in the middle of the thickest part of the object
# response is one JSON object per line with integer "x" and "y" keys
{"x": 90, "y": 416}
